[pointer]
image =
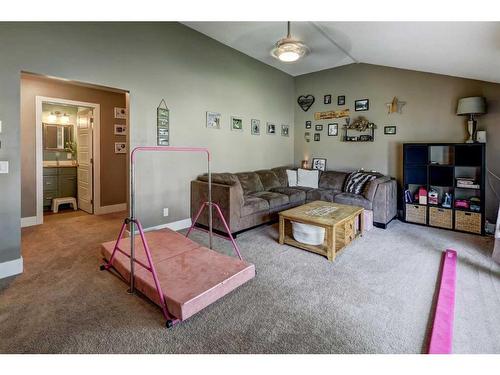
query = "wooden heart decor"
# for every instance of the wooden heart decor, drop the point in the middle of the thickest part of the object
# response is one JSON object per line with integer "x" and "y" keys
{"x": 305, "y": 102}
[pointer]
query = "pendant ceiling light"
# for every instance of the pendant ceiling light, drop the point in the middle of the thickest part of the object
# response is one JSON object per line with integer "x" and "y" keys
{"x": 288, "y": 49}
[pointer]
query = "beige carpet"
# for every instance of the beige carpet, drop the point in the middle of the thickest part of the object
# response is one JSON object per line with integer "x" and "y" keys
{"x": 377, "y": 297}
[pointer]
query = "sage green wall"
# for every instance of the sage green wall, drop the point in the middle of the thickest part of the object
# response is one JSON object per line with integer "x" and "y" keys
{"x": 428, "y": 116}
{"x": 153, "y": 60}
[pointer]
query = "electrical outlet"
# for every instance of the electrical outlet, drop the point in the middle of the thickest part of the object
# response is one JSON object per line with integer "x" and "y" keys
{"x": 4, "y": 167}
{"x": 0, "y": 126}
{"x": 165, "y": 212}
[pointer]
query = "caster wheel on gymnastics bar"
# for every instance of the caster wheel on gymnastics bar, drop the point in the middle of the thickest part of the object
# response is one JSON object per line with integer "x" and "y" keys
{"x": 102, "y": 267}
{"x": 169, "y": 324}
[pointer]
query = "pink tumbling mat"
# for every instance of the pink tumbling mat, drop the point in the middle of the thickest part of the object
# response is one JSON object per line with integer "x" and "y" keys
{"x": 442, "y": 329}
{"x": 191, "y": 276}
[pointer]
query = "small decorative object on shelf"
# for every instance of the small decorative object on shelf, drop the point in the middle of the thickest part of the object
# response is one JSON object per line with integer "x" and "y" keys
{"x": 447, "y": 200}
{"x": 422, "y": 195}
{"x": 360, "y": 125}
{"x": 433, "y": 197}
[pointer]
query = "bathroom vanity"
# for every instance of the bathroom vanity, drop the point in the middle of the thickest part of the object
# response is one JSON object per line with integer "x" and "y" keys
{"x": 58, "y": 182}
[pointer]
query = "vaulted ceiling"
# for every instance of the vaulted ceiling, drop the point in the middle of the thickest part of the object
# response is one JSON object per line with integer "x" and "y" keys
{"x": 462, "y": 49}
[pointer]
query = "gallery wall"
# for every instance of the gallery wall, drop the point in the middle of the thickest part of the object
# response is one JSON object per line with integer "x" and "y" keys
{"x": 192, "y": 72}
{"x": 428, "y": 116}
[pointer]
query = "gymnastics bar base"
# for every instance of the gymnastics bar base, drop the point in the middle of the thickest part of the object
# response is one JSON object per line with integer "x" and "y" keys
{"x": 442, "y": 330}
{"x": 190, "y": 276}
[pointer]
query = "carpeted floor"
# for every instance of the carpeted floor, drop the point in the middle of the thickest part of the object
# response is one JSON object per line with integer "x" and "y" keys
{"x": 377, "y": 297}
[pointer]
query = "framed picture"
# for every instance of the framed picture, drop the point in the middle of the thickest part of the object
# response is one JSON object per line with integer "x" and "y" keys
{"x": 327, "y": 99}
{"x": 361, "y": 105}
{"x": 271, "y": 128}
{"x": 285, "y": 130}
{"x": 316, "y": 137}
{"x": 120, "y": 112}
{"x": 307, "y": 136}
{"x": 390, "y": 129}
{"x": 213, "y": 120}
{"x": 120, "y": 129}
{"x": 318, "y": 128}
{"x": 333, "y": 130}
{"x": 255, "y": 126}
{"x": 308, "y": 124}
{"x": 120, "y": 147}
{"x": 236, "y": 123}
{"x": 319, "y": 164}
{"x": 341, "y": 100}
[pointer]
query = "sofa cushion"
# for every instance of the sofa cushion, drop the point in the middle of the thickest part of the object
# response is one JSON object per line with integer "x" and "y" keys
{"x": 308, "y": 178}
{"x": 250, "y": 182}
{"x": 326, "y": 195}
{"x": 353, "y": 200}
{"x": 221, "y": 178}
{"x": 268, "y": 178}
{"x": 281, "y": 174}
{"x": 253, "y": 205}
{"x": 356, "y": 182}
{"x": 332, "y": 180}
{"x": 371, "y": 187}
{"x": 274, "y": 199}
{"x": 294, "y": 195}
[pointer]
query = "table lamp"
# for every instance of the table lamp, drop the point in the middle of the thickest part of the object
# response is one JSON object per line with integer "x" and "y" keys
{"x": 471, "y": 106}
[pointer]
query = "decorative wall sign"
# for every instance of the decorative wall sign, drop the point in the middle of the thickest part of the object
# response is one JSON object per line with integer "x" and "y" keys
{"x": 285, "y": 130}
{"x": 328, "y": 115}
{"x": 319, "y": 164}
{"x": 255, "y": 126}
{"x": 362, "y": 105}
{"x": 327, "y": 99}
{"x": 308, "y": 124}
{"x": 236, "y": 123}
{"x": 391, "y": 130}
{"x": 120, "y": 112}
{"x": 163, "y": 124}
{"x": 316, "y": 137}
{"x": 396, "y": 106}
{"x": 305, "y": 102}
{"x": 318, "y": 128}
{"x": 120, "y": 147}
{"x": 341, "y": 100}
{"x": 333, "y": 130}
{"x": 213, "y": 120}
{"x": 271, "y": 128}
{"x": 120, "y": 129}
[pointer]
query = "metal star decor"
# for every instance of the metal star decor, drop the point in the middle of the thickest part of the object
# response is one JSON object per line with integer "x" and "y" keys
{"x": 396, "y": 106}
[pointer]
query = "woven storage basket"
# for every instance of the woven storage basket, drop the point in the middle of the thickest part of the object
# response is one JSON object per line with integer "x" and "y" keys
{"x": 441, "y": 217}
{"x": 468, "y": 221}
{"x": 416, "y": 214}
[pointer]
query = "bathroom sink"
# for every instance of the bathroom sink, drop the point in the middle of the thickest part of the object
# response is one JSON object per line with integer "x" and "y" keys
{"x": 59, "y": 164}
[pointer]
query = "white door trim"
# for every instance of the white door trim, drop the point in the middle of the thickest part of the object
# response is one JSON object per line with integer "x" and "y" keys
{"x": 11, "y": 267}
{"x": 39, "y": 100}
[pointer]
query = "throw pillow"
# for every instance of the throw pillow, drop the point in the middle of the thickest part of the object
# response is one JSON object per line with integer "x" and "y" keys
{"x": 292, "y": 177}
{"x": 356, "y": 182}
{"x": 308, "y": 178}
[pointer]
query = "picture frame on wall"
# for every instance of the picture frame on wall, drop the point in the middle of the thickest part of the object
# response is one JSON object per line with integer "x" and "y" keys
{"x": 308, "y": 124}
{"x": 213, "y": 120}
{"x": 341, "y": 100}
{"x": 327, "y": 99}
{"x": 285, "y": 130}
{"x": 120, "y": 147}
{"x": 120, "y": 112}
{"x": 390, "y": 130}
{"x": 271, "y": 128}
{"x": 361, "y": 105}
{"x": 120, "y": 129}
{"x": 333, "y": 130}
{"x": 255, "y": 126}
{"x": 317, "y": 137}
{"x": 307, "y": 136}
{"x": 319, "y": 164}
{"x": 236, "y": 123}
{"x": 318, "y": 127}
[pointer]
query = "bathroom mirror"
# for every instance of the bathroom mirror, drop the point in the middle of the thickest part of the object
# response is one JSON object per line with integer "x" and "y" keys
{"x": 55, "y": 136}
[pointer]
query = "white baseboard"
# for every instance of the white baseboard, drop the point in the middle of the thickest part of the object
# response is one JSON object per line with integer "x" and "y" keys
{"x": 11, "y": 268}
{"x": 28, "y": 221}
{"x": 110, "y": 209}
{"x": 176, "y": 225}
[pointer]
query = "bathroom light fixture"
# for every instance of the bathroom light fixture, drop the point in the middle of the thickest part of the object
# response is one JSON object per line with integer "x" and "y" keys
{"x": 52, "y": 117}
{"x": 288, "y": 49}
{"x": 64, "y": 118}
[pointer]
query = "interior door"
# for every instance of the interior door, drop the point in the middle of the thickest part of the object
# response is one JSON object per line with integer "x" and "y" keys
{"x": 85, "y": 163}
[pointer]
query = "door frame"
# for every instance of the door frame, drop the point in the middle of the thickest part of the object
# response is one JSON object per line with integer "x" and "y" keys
{"x": 96, "y": 166}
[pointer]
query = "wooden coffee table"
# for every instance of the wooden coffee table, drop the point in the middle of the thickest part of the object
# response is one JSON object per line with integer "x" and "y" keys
{"x": 340, "y": 228}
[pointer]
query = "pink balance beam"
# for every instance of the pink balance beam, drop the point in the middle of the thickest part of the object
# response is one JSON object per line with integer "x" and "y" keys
{"x": 442, "y": 330}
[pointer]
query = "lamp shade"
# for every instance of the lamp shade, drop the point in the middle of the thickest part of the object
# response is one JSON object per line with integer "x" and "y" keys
{"x": 475, "y": 105}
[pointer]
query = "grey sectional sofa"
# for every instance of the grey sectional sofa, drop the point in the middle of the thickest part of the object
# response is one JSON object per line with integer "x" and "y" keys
{"x": 249, "y": 199}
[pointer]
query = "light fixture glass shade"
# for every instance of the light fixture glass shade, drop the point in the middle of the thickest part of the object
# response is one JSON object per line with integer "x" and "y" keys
{"x": 474, "y": 105}
{"x": 289, "y": 50}
{"x": 52, "y": 117}
{"x": 64, "y": 119}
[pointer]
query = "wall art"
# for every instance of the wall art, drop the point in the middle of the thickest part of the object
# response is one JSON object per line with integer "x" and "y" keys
{"x": 328, "y": 115}
{"x": 120, "y": 147}
{"x": 271, "y": 128}
{"x": 162, "y": 124}
{"x": 316, "y": 137}
{"x": 396, "y": 106}
{"x": 120, "y": 129}
{"x": 318, "y": 128}
{"x": 341, "y": 100}
{"x": 305, "y": 102}
{"x": 319, "y": 164}
{"x": 327, "y": 99}
{"x": 391, "y": 130}
{"x": 255, "y": 126}
{"x": 213, "y": 120}
{"x": 120, "y": 112}
{"x": 333, "y": 130}
{"x": 361, "y": 105}
{"x": 236, "y": 123}
{"x": 285, "y": 130}
{"x": 308, "y": 124}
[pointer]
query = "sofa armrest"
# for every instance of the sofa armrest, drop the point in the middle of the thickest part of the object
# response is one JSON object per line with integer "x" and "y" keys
{"x": 385, "y": 202}
{"x": 228, "y": 197}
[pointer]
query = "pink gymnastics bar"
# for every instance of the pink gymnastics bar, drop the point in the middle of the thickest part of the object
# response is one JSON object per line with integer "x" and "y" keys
{"x": 442, "y": 330}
